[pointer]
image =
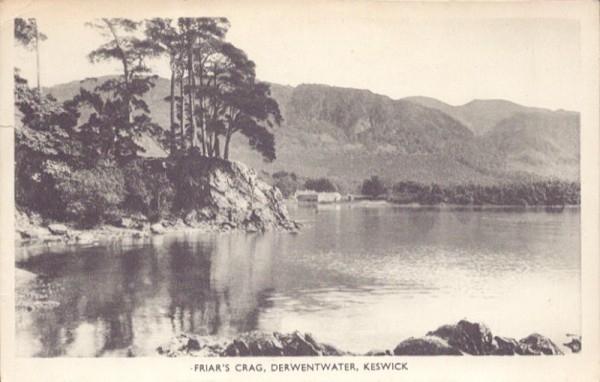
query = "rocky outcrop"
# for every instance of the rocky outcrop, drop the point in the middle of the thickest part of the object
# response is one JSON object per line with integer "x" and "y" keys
{"x": 505, "y": 346}
{"x": 470, "y": 338}
{"x": 428, "y": 345}
{"x": 211, "y": 195}
{"x": 228, "y": 194}
{"x": 574, "y": 344}
{"x": 474, "y": 339}
{"x": 536, "y": 344}
{"x": 253, "y": 344}
{"x": 463, "y": 338}
{"x": 58, "y": 229}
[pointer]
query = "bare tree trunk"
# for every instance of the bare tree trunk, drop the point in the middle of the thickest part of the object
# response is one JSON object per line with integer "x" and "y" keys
{"x": 217, "y": 148}
{"x": 172, "y": 109}
{"x": 37, "y": 56}
{"x": 202, "y": 112}
{"x": 127, "y": 96}
{"x": 192, "y": 82}
{"x": 227, "y": 141}
{"x": 182, "y": 109}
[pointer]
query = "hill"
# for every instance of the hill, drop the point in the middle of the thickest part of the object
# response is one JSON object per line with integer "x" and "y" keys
{"x": 351, "y": 134}
{"x": 481, "y": 116}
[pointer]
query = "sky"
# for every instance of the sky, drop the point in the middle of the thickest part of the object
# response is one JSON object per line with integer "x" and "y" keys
{"x": 534, "y": 62}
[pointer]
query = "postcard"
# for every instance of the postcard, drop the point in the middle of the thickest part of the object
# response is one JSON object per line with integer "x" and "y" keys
{"x": 302, "y": 191}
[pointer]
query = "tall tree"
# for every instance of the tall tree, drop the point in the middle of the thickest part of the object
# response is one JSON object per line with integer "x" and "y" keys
{"x": 28, "y": 35}
{"x": 199, "y": 34}
{"x": 236, "y": 101}
{"x": 116, "y": 116}
{"x": 169, "y": 40}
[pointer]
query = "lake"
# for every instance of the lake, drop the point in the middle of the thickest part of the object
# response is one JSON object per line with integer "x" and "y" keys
{"x": 359, "y": 276}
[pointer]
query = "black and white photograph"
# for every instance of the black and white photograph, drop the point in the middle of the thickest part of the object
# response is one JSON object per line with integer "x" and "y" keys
{"x": 300, "y": 181}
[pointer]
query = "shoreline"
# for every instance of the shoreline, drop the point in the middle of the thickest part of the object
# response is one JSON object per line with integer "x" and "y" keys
{"x": 439, "y": 206}
{"x": 106, "y": 233}
{"x": 31, "y": 236}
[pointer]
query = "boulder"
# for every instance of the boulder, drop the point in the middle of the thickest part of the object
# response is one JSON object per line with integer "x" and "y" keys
{"x": 189, "y": 344}
{"x": 58, "y": 229}
{"x": 85, "y": 238}
{"x": 253, "y": 344}
{"x": 157, "y": 228}
{"x": 139, "y": 235}
{"x": 468, "y": 337}
{"x": 574, "y": 345}
{"x": 428, "y": 345}
{"x": 505, "y": 346}
{"x": 33, "y": 232}
{"x": 536, "y": 344}
{"x": 127, "y": 223}
{"x": 276, "y": 344}
{"x": 378, "y": 352}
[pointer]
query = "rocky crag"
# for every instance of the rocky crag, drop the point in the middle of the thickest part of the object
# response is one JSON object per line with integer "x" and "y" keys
{"x": 204, "y": 194}
{"x": 463, "y": 338}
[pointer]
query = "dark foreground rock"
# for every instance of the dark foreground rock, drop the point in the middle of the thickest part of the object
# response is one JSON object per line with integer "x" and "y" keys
{"x": 536, "y": 344}
{"x": 463, "y": 338}
{"x": 470, "y": 338}
{"x": 474, "y": 339}
{"x": 428, "y": 345}
{"x": 254, "y": 344}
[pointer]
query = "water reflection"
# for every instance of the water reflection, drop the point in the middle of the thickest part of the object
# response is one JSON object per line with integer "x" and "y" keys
{"x": 212, "y": 285}
{"x": 354, "y": 266}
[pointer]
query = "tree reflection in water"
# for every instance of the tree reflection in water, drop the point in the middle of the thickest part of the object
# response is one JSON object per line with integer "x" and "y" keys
{"x": 199, "y": 284}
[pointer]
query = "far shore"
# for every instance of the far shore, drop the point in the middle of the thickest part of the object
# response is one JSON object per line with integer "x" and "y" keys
{"x": 106, "y": 232}
{"x": 438, "y": 206}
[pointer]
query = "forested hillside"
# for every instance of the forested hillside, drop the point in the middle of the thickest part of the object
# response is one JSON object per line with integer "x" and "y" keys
{"x": 349, "y": 135}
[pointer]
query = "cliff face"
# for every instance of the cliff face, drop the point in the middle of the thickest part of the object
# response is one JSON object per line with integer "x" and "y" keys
{"x": 225, "y": 193}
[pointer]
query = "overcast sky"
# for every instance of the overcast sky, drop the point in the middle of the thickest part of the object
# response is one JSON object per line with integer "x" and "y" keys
{"x": 534, "y": 62}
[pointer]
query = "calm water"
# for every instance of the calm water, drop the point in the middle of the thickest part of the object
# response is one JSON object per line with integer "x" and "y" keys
{"x": 358, "y": 276}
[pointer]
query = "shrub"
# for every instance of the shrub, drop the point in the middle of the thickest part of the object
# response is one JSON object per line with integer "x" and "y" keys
{"x": 286, "y": 182}
{"x": 149, "y": 190}
{"x": 320, "y": 185}
{"x": 373, "y": 187}
{"x": 91, "y": 194}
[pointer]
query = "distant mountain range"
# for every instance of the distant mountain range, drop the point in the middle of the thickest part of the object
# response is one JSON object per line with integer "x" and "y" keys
{"x": 350, "y": 134}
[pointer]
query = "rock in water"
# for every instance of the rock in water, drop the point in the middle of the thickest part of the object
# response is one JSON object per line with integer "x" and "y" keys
{"x": 574, "y": 345}
{"x": 428, "y": 345}
{"x": 536, "y": 344}
{"x": 468, "y": 337}
{"x": 378, "y": 352}
{"x": 58, "y": 229}
{"x": 253, "y": 344}
{"x": 157, "y": 228}
{"x": 85, "y": 238}
{"x": 505, "y": 346}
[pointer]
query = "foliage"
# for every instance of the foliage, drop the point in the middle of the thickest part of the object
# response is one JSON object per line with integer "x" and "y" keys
{"x": 373, "y": 187}
{"x": 27, "y": 34}
{"x": 287, "y": 183}
{"x": 218, "y": 91}
{"x": 320, "y": 185}
{"x": 107, "y": 132}
{"x": 46, "y": 125}
{"x": 114, "y": 127}
{"x": 91, "y": 194}
{"x": 148, "y": 188}
{"x": 44, "y": 145}
{"x": 551, "y": 192}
